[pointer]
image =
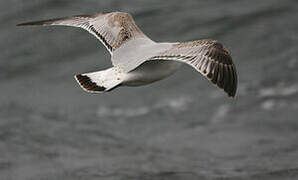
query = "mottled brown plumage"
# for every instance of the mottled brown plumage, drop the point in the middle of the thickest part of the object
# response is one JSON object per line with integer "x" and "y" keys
{"x": 113, "y": 29}
{"x": 131, "y": 48}
{"x": 210, "y": 58}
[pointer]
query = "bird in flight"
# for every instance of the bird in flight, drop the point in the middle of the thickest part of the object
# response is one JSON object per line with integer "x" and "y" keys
{"x": 137, "y": 60}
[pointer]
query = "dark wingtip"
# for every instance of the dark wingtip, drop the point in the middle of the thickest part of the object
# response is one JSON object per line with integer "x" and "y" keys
{"x": 28, "y": 24}
{"x": 35, "y": 23}
{"x": 232, "y": 94}
{"x": 231, "y": 91}
{"x": 226, "y": 79}
{"x": 40, "y": 23}
{"x": 22, "y": 24}
{"x": 87, "y": 84}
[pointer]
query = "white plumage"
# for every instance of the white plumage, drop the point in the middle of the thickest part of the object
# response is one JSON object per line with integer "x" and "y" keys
{"x": 138, "y": 60}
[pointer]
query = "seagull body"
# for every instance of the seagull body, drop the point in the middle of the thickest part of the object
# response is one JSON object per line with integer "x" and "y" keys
{"x": 138, "y": 60}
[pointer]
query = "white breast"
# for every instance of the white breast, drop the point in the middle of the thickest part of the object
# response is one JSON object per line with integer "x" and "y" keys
{"x": 135, "y": 52}
{"x": 151, "y": 71}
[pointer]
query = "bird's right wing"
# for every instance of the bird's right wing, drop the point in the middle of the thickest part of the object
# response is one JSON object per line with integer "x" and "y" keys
{"x": 210, "y": 58}
{"x": 112, "y": 29}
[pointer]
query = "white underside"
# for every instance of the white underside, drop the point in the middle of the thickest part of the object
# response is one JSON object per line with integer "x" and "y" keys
{"x": 132, "y": 68}
{"x": 135, "y": 52}
{"x": 132, "y": 58}
{"x": 146, "y": 73}
{"x": 150, "y": 71}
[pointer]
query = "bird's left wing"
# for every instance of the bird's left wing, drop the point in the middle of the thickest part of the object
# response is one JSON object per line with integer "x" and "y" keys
{"x": 208, "y": 57}
{"x": 113, "y": 29}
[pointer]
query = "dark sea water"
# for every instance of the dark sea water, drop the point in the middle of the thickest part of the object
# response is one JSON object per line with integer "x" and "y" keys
{"x": 181, "y": 128}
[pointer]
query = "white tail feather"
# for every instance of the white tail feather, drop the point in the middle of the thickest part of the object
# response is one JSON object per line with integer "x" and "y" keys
{"x": 100, "y": 81}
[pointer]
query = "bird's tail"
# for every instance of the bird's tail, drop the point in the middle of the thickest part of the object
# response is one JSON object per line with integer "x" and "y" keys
{"x": 100, "y": 81}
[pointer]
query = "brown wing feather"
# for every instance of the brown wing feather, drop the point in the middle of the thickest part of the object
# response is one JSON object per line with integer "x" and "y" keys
{"x": 113, "y": 29}
{"x": 210, "y": 58}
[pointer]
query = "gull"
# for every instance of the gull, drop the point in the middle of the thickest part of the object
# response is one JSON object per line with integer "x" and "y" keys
{"x": 137, "y": 60}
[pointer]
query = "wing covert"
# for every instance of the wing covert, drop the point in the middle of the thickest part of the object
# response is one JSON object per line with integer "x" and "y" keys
{"x": 210, "y": 58}
{"x": 113, "y": 28}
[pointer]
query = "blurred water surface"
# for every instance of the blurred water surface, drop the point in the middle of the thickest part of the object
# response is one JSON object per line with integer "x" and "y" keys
{"x": 178, "y": 128}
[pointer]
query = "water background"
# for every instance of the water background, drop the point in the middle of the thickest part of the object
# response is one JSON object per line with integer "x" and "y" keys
{"x": 179, "y": 128}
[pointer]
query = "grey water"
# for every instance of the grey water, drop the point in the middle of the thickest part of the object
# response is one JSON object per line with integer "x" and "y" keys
{"x": 182, "y": 127}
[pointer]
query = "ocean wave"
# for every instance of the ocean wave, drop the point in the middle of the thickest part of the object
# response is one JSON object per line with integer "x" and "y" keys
{"x": 177, "y": 104}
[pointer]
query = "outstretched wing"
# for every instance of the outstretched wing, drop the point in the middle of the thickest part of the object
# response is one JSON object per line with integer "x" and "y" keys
{"x": 209, "y": 58}
{"x": 113, "y": 29}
